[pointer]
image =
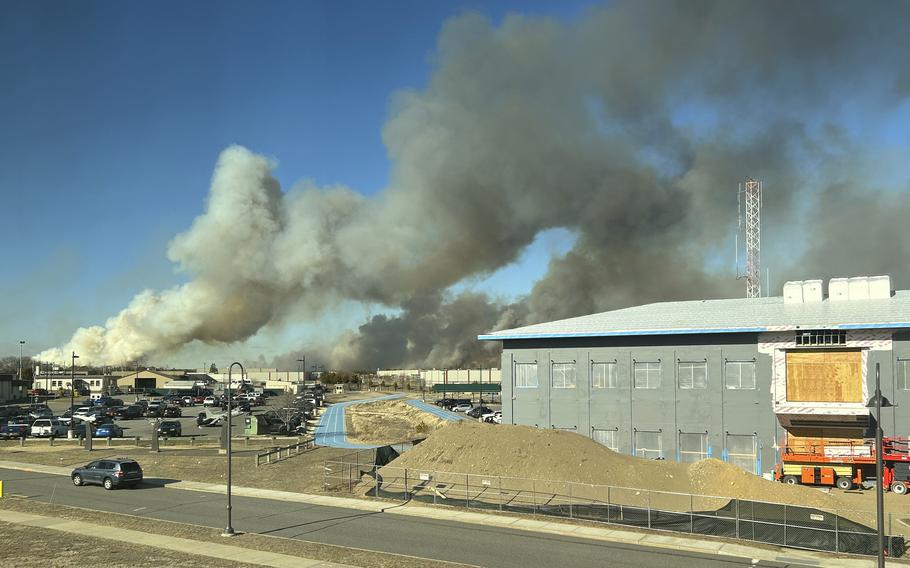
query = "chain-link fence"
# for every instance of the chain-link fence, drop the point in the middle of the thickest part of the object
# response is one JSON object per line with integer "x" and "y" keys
{"x": 759, "y": 521}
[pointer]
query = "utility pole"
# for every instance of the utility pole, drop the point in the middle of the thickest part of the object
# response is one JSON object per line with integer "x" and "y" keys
{"x": 21, "y": 343}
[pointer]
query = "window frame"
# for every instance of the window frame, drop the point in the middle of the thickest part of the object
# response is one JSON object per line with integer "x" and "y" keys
{"x": 565, "y": 366}
{"x": 902, "y": 364}
{"x": 613, "y": 374}
{"x": 701, "y": 454}
{"x": 613, "y": 437}
{"x": 679, "y": 367}
{"x": 739, "y": 363}
{"x": 648, "y": 370}
{"x": 647, "y": 455}
{"x": 753, "y": 456}
{"x": 533, "y": 365}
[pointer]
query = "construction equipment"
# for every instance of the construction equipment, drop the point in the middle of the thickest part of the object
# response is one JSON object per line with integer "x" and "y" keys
{"x": 845, "y": 464}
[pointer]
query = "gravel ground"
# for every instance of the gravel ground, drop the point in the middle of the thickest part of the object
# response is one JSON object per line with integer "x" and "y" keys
{"x": 21, "y": 549}
{"x": 292, "y": 547}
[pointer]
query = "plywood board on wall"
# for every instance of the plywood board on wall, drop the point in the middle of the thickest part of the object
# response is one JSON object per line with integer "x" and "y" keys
{"x": 824, "y": 376}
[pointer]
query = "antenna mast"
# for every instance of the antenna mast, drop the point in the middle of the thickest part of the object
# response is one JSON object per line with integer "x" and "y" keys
{"x": 749, "y": 211}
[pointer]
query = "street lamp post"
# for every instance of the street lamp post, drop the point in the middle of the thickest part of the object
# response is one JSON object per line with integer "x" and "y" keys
{"x": 878, "y": 402}
{"x": 302, "y": 367}
{"x": 21, "y": 343}
{"x": 229, "y": 530}
{"x": 72, "y": 393}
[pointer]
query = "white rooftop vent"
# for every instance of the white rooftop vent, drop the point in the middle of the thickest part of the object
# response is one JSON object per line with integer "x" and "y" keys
{"x": 838, "y": 290}
{"x": 812, "y": 291}
{"x": 879, "y": 287}
{"x": 793, "y": 292}
{"x": 859, "y": 288}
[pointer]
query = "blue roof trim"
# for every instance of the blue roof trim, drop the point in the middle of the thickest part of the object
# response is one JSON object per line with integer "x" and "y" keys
{"x": 873, "y": 325}
{"x": 491, "y": 337}
{"x": 622, "y": 333}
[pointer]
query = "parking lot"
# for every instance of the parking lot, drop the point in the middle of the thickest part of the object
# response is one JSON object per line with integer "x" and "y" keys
{"x": 143, "y": 427}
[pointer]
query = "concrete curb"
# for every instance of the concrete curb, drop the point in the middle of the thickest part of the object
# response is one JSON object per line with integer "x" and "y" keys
{"x": 175, "y": 544}
{"x": 610, "y": 533}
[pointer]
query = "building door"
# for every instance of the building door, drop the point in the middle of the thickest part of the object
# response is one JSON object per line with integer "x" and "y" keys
{"x": 145, "y": 384}
{"x": 824, "y": 376}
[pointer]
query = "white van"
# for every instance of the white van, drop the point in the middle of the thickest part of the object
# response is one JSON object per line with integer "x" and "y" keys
{"x": 47, "y": 427}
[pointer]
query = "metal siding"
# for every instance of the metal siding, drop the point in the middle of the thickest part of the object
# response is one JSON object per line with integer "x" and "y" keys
{"x": 715, "y": 409}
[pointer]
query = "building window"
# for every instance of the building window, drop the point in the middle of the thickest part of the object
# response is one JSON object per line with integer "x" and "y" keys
{"x": 525, "y": 375}
{"x": 692, "y": 375}
{"x": 739, "y": 374}
{"x": 563, "y": 375}
{"x": 647, "y": 375}
{"x": 603, "y": 376}
{"x": 606, "y": 438}
{"x": 648, "y": 444}
{"x": 741, "y": 451}
{"x": 903, "y": 374}
{"x": 821, "y": 337}
{"x": 693, "y": 447}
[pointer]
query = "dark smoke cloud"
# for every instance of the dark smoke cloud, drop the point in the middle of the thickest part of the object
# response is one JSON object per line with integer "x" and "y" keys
{"x": 528, "y": 126}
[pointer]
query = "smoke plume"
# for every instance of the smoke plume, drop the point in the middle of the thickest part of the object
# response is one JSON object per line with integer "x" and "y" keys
{"x": 630, "y": 126}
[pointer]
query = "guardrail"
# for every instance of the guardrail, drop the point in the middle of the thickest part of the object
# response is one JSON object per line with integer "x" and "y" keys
{"x": 294, "y": 449}
{"x": 794, "y": 526}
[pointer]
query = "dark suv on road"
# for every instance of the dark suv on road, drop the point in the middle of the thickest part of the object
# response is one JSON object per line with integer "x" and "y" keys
{"x": 108, "y": 473}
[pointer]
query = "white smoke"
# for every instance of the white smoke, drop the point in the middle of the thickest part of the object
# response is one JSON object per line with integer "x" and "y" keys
{"x": 524, "y": 127}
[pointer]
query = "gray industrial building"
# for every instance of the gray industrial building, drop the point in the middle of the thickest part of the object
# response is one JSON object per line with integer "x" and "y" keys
{"x": 735, "y": 379}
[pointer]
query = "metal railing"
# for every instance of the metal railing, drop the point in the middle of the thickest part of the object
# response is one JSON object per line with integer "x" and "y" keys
{"x": 793, "y": 526}
{"x": 275, "y": 454}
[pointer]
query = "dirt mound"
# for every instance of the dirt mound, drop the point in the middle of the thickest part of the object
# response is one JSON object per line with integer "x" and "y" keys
{"x": 388, "y": 422}
{"x": 552, "y": 455}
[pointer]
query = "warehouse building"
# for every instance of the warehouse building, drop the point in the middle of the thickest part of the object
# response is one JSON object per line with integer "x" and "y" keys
{"x": 735, "y": 379}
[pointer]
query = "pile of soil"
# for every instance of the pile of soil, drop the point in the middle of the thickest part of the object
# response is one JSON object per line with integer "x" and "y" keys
{"x": 528, "y": 453}
{"x": 388, "y": 422}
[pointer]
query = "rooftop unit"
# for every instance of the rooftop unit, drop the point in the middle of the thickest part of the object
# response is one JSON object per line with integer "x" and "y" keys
{"x": 839, "y": 289}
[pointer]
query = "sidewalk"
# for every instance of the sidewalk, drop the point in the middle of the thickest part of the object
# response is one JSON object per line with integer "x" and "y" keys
{"x": 174, "y": 544}
{"x": 607, "y": 533}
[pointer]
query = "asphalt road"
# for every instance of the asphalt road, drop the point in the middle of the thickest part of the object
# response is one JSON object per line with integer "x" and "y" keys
{"x": 442, "y": 540}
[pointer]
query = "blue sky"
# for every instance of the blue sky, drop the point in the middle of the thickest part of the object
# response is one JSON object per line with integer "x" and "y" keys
{"x": 113, "y": 116}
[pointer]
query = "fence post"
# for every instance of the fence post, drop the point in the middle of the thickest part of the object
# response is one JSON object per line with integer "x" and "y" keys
{"x": 467, "y": 495}
{"x": 405, "y": 484}
{"x": 785, "y": 525}
{"x": 649, "y": 509}
{"x": 691, "y": 514}
{"x": 500, "y": 493}
{"x": 534, "y": 494}
{"x": 836, "y": 532}
{"x": 737, "y": 518}
{"x": 571, "y": 515}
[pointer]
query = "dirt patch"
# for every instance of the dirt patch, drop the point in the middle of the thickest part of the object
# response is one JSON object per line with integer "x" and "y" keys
{"x": 388, "y": 422}
{"x": 279, "y": 545}
{"x": 544, "y": 460}
{"x": 60, "y": 550}
{"x": 303, "y": 473}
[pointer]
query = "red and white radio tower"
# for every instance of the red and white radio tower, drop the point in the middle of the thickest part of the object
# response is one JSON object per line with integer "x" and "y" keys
{"x": 749, "y": 205}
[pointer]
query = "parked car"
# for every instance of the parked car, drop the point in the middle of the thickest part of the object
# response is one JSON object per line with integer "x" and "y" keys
{"x": 462, "y": 407}
{"x": 199, "y": 399}
{"x": 10, "y": 431}
{"x": 171, "y": 412}
{"x": 209, "y": 401}
{"x": 188, "y": 401}
{"x": 128, "y": 412}
{"x": 455, "y": 402}
{"x": 47, "y": 427}
{"x": 108, "y": 473}
{"x": 37, "y": 392}
{"x": 40, "y": 412}
{"x": 108, "y": 431}
{"x": 170, "y": 428}
{"x": 492, "y": 417}
{"x": 153, "y": 410}
{"x": 84, "y": 413}
{"x": 478, "y": 411}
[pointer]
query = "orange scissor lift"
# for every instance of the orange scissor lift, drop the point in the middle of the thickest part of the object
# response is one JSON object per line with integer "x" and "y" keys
{"x": 845, "y": 464}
